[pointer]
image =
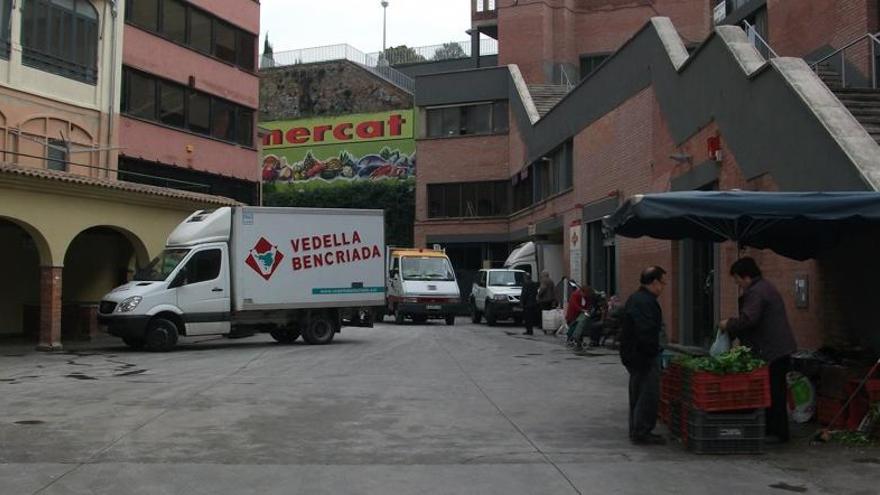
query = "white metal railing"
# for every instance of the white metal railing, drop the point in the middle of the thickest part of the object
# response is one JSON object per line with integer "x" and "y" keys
{"x": 374, "y": 64}
{"x": 564, "y": 78}
{"x": 760, "y": 43}
{"x": 436, "y": 53}
{"x": 872, "y": 39}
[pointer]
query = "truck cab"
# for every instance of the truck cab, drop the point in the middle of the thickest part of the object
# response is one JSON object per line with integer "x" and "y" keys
{"x": 421, "y": 285}
{"x": 496, "y": 295}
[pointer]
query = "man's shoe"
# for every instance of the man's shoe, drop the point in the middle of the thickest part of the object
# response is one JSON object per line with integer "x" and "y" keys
{"x": 649, "y": 439}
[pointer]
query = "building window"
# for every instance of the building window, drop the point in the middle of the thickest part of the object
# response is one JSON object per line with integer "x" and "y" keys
{"x": 601, "y": 258}
{"x": 174, "y": 20}
{"x": 5, "y": 15}
{"x": 147, "y": 97}
{"x": 589, "y": 63}
{"x": 143, "y": 13}
{"x": 171, "y": 104}
{"x": 199, "y": 115}
{"x": 155, "y": 174}
{"x": 469, "y": 199}
{"x": 224, "y": 42}
{"x": 551, "y": 175}
{"x": 61, "y": 37}
{"x": 56, "y": 155}
{"x": 190, "y": 26}
{"x": 466, "y": 120}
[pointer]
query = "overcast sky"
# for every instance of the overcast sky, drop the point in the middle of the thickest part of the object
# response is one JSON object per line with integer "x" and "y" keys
{"x": 293, "y": 24}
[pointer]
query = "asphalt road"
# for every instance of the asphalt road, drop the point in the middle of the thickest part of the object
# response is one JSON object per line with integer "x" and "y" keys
{"x": 424, "y": 409}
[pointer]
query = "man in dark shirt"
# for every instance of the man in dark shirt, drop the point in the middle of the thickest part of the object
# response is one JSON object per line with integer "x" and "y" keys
{"x": 639, "y": 351}
{"x": 529, "y": 300}
{"x": 763, "y": 325}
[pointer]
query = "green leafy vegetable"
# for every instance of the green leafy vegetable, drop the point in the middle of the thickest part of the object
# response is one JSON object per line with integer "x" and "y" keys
{"x": 737, "y": 360}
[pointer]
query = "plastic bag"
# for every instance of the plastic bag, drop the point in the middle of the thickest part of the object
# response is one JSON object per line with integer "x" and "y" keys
{"x": 721, "y": 344}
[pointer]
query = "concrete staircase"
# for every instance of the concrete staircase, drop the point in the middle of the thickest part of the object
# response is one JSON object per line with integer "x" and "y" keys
{"x": 862, "y": 103}
{"x": 546, "y": 96}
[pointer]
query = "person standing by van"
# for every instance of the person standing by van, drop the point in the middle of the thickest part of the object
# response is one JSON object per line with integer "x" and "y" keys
{"x": 529, "y": 301}
{"x": 546, "y": 293}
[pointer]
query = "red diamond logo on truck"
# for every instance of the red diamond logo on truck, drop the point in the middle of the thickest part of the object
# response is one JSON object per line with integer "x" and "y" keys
{"x": 264, "y": 258}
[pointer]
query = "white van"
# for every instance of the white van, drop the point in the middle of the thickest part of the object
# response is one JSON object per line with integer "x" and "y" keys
{"x": 421, "y": 285}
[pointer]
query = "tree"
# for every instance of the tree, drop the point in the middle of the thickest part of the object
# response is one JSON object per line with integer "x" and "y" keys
{"x": 396, "y": 197}
{"x": 401, "y": 55}
{"x": 268, "y": 59}
{"x": 449, "y": 51}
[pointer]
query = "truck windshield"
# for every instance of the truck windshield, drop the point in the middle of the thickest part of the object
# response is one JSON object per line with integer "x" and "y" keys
{"x": 507, "y": 279}
{"x": 426, "y": 269}
{"x": 161, "y": 266}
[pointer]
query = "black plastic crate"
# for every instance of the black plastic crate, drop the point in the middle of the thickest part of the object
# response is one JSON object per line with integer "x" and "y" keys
{"x": 726, "y": 433}
{"x": 675, "y": 419}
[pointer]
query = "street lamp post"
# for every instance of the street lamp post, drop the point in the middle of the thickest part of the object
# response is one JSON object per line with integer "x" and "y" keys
{"x": 384, "y": 24}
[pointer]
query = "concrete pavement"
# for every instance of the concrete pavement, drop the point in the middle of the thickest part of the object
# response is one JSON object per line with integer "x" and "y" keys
{"x": 409, "y": 409}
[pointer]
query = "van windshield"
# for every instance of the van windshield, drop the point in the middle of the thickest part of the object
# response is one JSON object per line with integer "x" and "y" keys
{"x": 507, "y": 279}
{"x": 161, "y": 266}
{"x": 426, "y": 269}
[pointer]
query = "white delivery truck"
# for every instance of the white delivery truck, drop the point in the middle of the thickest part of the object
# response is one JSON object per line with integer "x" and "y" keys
{"x": 536, "y": 257}
{"x": 236, "y": 271}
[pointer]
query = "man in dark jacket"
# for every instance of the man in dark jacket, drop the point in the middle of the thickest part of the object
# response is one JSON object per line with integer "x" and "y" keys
{"x": 529, "y": 300}
{"x": 763, "y": 325}
{"x": 639, "y": 351}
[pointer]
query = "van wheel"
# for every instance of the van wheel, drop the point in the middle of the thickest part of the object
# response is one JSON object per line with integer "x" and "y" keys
{"x": 398, "y": 316}
{"x": 476, "y": 317}
{"x": 161, "y": 335}
{"x": 319, "y": 331}
{"x": 450, "y": 320}
{"x": 134, "y": 343}
{"x": 284, "y": 335}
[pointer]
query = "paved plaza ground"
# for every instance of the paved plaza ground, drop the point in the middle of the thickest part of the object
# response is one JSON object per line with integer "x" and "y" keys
{"x": 425, "y": 409}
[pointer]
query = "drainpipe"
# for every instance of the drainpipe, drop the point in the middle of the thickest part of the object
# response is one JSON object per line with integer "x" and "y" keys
{"x": 111, "y": 110}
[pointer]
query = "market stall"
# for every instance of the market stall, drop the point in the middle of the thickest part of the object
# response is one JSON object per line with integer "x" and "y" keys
{"x": 800, "y": 226}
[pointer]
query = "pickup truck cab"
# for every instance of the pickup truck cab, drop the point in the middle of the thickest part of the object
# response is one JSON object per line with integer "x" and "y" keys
{"x": 496, "y": 295}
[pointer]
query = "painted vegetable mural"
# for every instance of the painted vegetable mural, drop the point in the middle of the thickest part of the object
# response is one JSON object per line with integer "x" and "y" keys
{"x": 387, "y": 164}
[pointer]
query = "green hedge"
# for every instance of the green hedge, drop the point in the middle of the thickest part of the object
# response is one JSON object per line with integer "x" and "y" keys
{"x": 396, "y": 197}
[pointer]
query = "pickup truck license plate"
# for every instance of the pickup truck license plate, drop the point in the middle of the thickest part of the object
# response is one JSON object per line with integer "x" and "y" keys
{"x": 433, "y": 307}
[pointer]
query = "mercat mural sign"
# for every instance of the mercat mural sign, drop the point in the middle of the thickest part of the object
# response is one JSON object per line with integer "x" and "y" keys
{"x": 350, "y": 147}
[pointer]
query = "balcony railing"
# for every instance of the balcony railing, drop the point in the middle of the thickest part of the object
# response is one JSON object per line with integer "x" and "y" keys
{"x": 483, "y": 10}
{"x": 437, "y": 53}
{"x": 376, "y": 65}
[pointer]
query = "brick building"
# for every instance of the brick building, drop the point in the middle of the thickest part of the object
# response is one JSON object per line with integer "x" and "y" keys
{"x": 190, "y": 91}
{"x": 597, "y": 100}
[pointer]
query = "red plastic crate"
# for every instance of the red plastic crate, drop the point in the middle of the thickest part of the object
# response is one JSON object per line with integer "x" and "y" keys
{"x": 827, "y": 408}
{"x": 671, "y": 383}
{"x": 663, "y": 412}
{"x": 710, "y": 392}
{"x": 872, "y": 389}
{"x": 856, "y": 412}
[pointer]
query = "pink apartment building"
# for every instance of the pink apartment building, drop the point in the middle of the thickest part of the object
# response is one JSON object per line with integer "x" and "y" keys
{"x": 190, "y": 91}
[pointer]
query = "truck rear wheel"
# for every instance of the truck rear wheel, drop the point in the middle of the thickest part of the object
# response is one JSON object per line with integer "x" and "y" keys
{"x": 319, "y": 331}
{"x": 161, "y": 335}
{"x": 450, "y": 320}
{"x": 284, "y": 335}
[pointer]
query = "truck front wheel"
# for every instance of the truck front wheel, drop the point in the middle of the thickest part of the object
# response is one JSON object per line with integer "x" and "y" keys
{"x": 284, "y": 335}
{"x": 319, "y": 331}
{"x": 161, "y": 335}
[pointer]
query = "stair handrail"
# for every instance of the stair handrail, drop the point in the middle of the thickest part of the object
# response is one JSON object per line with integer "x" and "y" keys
{"x": 754, "y": 35}
{"x": 566, "y": 81}
{"x": 875, "y": 40}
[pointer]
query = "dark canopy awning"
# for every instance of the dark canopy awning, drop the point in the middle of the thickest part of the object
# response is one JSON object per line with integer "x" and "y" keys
{"x": 795, "y": 225}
